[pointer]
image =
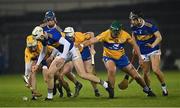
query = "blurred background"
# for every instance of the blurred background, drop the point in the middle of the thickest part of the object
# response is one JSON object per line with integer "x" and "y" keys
{"x": 19, "y": 17}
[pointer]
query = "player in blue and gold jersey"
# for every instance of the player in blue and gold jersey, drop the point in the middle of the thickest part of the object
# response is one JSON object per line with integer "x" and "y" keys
{"x": 86, "y": 53}
{"x": 114, "y": 55}
{"x": 148, "y": 39}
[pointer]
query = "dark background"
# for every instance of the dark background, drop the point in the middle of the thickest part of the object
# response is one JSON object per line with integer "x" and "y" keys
{"x": 19, "y": 17}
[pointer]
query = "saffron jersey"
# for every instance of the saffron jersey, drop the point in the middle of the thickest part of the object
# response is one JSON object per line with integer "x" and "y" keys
{"x": 114, "y": 47}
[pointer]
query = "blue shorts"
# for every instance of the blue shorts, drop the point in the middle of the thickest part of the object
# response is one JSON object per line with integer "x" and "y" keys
{"x": 86, "y": 55}
{"x": 120, "y": 63}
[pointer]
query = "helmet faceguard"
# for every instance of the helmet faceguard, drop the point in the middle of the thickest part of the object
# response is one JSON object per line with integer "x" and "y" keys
{"x": 69, "y": 31}
{"x": 38, "y": 33}
{"x": 49, "y": 16}
{"x": 31, "y": 43}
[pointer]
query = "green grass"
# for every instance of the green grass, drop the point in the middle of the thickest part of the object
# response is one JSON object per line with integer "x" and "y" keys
{"x": 12, "y": 90}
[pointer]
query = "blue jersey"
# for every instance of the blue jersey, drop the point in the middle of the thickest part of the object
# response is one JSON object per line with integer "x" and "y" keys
{"x": 144, "y": 35}
{"x": 54, "y": 37}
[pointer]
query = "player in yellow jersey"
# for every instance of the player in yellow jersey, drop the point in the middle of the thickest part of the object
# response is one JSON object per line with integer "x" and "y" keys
{"x": 114, "y": 55}
{"x": 32, "y": 51}
{"x": 86, "y": 53}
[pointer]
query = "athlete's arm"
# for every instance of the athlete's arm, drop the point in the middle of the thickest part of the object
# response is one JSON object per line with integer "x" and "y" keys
{"x": 158, "y": 36}
{"x": 27, "y": 68}
{"x": 42, "y": 55}
{"x": 133, "y": 37}
{"x": 89, "y": 42}
{"x": 28, "y": 63}
{"x": 92, "y": 51}
{"x": 136, "y": 48}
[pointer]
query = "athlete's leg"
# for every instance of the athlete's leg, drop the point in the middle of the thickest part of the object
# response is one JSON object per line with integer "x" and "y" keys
{"x": 134, "y": 74}
{"x": 111, "y": 69}
{"x": 66, "y": 69}
{"x": 55, "y": 66}
{"x": 89, "y": 69}
{"x": 146, "y": 71}
{"x": 155, "y": 59}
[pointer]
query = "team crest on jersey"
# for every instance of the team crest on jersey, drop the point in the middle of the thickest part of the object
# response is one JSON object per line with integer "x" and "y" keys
{"x": 140, "y": 31}
{"x": 116, "y": 46}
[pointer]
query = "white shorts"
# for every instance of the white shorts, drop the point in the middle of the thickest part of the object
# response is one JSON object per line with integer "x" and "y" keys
{"x": 146, "y": 57}
{"x": 73, "y": 54}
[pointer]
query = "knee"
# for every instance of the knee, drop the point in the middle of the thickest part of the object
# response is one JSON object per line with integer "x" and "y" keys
{"x": 111, "y": 72}
{"x": 83, "y": 75}
{"x": 50, "y": 75}
{"x": 156, "y": 70}
{"x": 146, "y": 73}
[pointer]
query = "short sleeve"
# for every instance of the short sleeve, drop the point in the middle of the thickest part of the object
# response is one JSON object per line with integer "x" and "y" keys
{"x": 153, "y": 29}
{"x": 126, "y": 35}
{"x": 101, "y": 37}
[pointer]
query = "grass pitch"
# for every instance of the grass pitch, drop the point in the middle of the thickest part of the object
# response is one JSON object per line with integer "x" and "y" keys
{"x": 12, "y": 91}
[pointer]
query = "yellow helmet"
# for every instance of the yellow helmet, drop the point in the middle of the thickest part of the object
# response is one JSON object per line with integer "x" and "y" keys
{"x": 31, "y": 41}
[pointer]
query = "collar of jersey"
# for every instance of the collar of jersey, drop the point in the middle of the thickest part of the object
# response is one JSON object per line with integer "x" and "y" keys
{"x": 51, "y": 27}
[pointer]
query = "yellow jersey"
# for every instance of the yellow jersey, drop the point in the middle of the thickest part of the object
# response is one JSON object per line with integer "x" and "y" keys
{"x": 113, "y": 47}
{"x": 30, "y": 56}
{"x": 81, "y": 37}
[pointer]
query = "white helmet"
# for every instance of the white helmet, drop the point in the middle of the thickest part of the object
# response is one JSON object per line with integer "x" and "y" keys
{"x": 38, "y": 32}
{"x": 69, "y": 31}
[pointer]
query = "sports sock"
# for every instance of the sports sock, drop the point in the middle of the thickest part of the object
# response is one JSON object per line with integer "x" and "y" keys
{"x": 163, "y": 86}
{"x": 50, "y": 94}
{"x": 104, "y": 83}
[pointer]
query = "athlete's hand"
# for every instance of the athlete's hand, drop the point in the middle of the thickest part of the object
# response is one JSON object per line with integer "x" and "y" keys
{"x": 149, "y": 45}
{"x": 34, "y": 68}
